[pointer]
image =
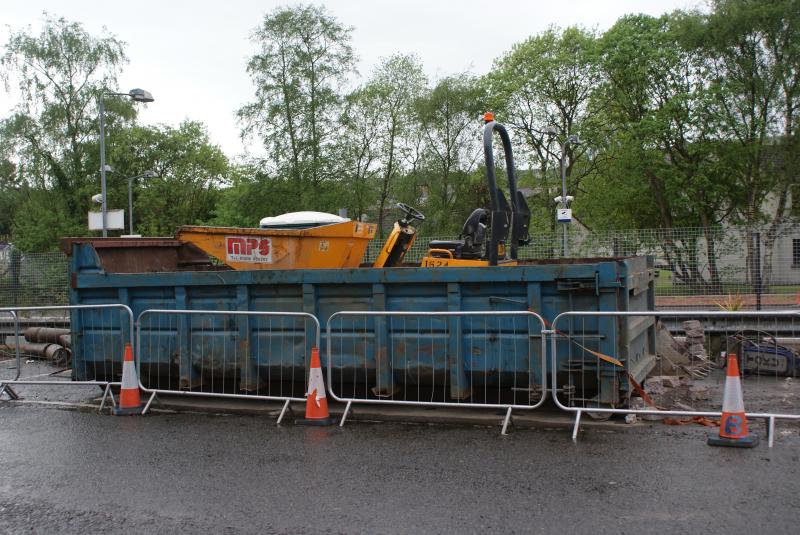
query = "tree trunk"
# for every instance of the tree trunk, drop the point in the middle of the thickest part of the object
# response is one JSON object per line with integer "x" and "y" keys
{"x": 711, "y": 255}
{"x": 772, "y": 234}
{"x": 751, "y": 258}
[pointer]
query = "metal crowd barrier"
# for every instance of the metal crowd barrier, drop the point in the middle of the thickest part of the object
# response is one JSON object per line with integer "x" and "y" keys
{"x": 225, "y": 354}
{"x": 483, "y": 359}
{"x": 6, "y": 328}
{"x": 89, "y": 340}
{"x": 698, "y": 352}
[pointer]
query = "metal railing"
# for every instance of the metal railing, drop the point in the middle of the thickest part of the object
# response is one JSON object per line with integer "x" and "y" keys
{"x": 91, "y": 348}
{"x": 475, "y": 359}
{"x": 712, "y": 334}
{"x": 213, "y": 353}
{"x": 481, "y": 359}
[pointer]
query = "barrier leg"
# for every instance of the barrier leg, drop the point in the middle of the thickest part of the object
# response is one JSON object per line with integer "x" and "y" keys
{"x": 283, "y": 412}
{"x": 576, "y": 426}
{"x": 149, "y": 401}
{"x": 106, "y": 390}
{"x": 771, "y": 431}
{"x": 10, "y": 391}
{"x": 506, "y": 421}
{"x": 346, "y": 411}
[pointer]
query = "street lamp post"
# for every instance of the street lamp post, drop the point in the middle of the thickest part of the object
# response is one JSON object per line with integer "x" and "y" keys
{"x": 146, "y": 174}
{"x": 571, "y": 140}
{"x": 564, "y": 199}
{"x": 137, "y": 95}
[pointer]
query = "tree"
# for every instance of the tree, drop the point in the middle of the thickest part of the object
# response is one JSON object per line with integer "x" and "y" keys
{"x": 359, "y": 147}
{"x": 250, "y": 195}
{"x": 753, "y": 50}
{"x": 10, "y": 195}
{"x": 660, "y": 151}
{"x": 304, "y": 59}
{"x": 545, "y": 82}
{"x": 380, "y": 117}
{"x": 190, "y": 170}
{"x": 449, "y": 117}
{"x": 59, "y": 75}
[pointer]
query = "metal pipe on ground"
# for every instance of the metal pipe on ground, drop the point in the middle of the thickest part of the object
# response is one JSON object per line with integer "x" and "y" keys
{"x": 52, "y": 352}
{"x": 48, "y": 335}
{"x": 66, "y": 341}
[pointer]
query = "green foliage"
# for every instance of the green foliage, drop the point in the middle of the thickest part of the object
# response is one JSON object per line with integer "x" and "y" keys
{"x": 660, "y": 137}
{"x": 9, "y": 195}
{"x": 378, "y": 137}
{"x": 688, "y": 119}
{"x": 543, "y": 89}
{"x": 51, "y": 134}
{"x": 303, "y": 60}
{"x": 252, "y": 195}
{"x": 753, "y": 51}
{"x": 544, "y": 85}
{"x": 450, "y": 120}
{"x": 40, "y": 222}
{"x": 189, "y": 168}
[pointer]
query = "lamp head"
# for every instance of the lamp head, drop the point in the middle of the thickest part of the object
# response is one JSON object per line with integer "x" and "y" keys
{"x": 140, "y": 95}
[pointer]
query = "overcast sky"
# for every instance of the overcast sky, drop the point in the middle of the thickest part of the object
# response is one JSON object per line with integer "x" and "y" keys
{"x": 192, "y": 54}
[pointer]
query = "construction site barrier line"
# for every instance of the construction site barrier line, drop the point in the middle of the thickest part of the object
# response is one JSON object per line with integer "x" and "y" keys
{"x": 556, "y": 334}
{"x": 485, "y": 313}
{"x": 5, "y": 384}
{"x": 154, "y": 392}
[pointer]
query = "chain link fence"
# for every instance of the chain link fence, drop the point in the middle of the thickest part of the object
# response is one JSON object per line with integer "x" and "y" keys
{"x": 732, "y": 268}
{"x": 32, "y": 279}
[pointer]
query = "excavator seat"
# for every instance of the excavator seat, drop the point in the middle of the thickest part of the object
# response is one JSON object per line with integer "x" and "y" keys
{"x": 471, "y": 240}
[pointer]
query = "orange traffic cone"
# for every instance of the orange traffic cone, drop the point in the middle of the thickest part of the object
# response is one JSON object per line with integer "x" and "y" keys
{"x": 316, "y": 402}
{"x": 129, "y": 401}
{"x": 733, "y": 425}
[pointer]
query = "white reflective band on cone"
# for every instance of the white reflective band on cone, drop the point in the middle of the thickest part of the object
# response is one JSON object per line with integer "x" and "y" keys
{"x": 315, "y": 384}
{"x": 129, "y": 375}
{"x": 732, "y": 398}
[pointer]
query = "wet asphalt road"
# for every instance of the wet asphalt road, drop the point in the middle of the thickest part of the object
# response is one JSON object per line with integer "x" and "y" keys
{"x": 76, "y": 472}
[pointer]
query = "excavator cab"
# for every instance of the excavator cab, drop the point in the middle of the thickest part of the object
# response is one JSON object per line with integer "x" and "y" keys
{"x": 401, "y": 238}
{"x": 485, "y": 234}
